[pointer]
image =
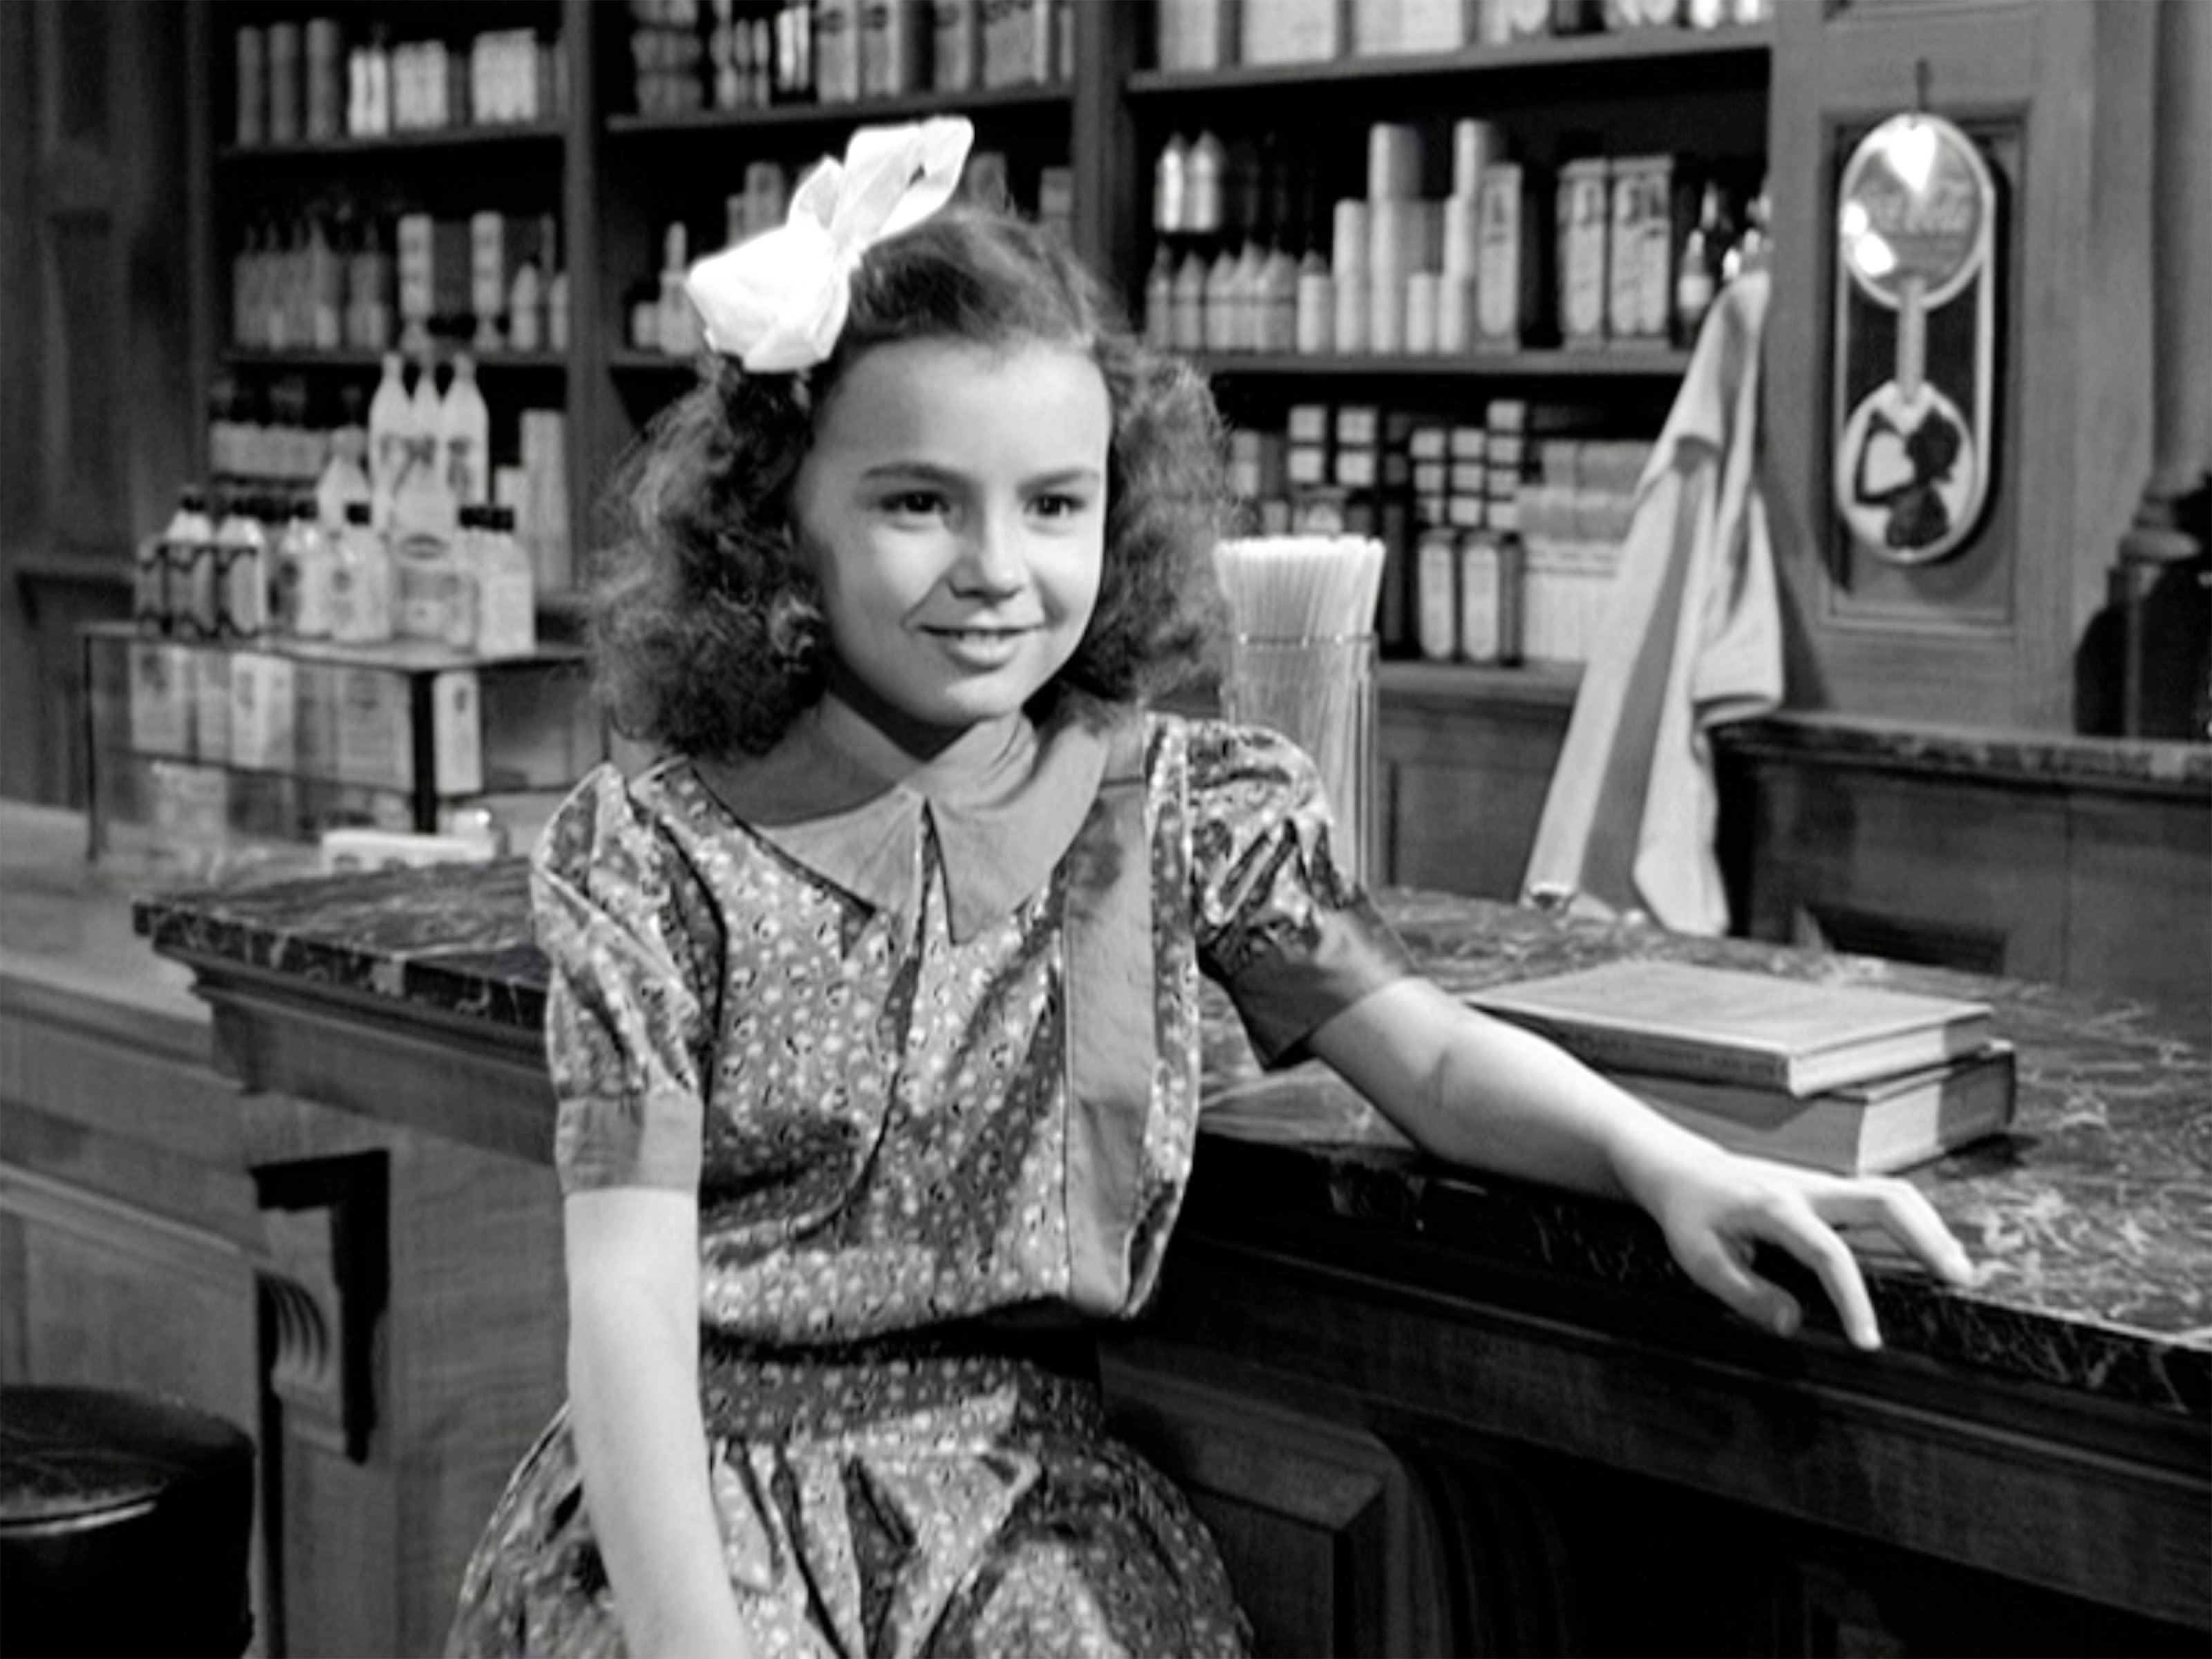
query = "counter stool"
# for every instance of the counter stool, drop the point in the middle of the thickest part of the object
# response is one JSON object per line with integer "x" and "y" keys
{"x": 124, "y": 1526}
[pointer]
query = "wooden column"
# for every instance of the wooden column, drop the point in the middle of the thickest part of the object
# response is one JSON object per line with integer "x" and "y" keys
{"x": 2158, "y": 584}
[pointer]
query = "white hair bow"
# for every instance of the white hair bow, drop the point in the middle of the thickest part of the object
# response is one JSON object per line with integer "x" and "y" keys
{"x": 777, "y": 301}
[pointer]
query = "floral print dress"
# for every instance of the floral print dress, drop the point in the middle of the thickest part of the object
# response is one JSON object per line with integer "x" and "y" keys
{"x": 924, "y": 1040}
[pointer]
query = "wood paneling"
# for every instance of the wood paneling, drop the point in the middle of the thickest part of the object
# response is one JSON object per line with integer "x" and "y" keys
{"x": 2058, "y": 94}
{"x": 1466, "y": 761}
{"x": 98, "y": 422}
{"x": 135, "y": 1252}
{"x": 2104, "y": 888}
{"x": 1319, "y": 1524}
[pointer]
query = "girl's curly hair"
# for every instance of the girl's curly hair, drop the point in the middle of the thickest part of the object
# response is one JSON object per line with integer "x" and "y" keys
{"x": 706, "y": 629}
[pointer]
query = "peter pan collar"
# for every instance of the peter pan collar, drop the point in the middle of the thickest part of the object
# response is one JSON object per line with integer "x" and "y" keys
{"x": 1005, "y": 800}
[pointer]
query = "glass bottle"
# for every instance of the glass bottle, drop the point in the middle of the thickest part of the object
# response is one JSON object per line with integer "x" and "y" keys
{"x": 361, "y": 581}
{"x": 1697, "y": 271}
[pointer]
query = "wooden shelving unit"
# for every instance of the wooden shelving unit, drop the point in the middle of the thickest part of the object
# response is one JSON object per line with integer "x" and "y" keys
{"x": 615, "y": 177}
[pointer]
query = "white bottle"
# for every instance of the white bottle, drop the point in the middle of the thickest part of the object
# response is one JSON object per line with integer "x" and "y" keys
{"x": 390, "y": 418}
{"x": 421, "y": 503}
{"x": 556, "y": 288}
{"x": 465, "y": 436}
{"x": 151, "y": 605}
{"x": 524, "y": 309}
{"x": 305, "y": 558}
{"x": 680, "y": 332}
{"x": 557, "y": 311}
{"x": 242, "y": 579}
{"x": 343, "y": 478}
{"x": 506, "y": 596}
{"x": 360, "y": 582}
{"x": 465, "y": 563}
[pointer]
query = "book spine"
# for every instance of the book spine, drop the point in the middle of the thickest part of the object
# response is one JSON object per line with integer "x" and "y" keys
{"x": 1649, "y": 1051}
{"x": 1829, "y": 1143}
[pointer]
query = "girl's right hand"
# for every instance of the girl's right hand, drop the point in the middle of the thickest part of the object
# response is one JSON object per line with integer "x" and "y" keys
{"x": 1715, "y": 1206}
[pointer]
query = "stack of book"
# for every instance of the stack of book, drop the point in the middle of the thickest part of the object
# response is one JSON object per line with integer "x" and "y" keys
{"x": 1850, "y": 1078}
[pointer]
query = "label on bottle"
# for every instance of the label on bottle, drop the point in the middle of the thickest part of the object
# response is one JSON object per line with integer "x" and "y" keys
{"x": 261, "y": 711}
{"x": 150, "y": 587}
{"x": 242, "y": 589}
{"x": 1436, "y": 580}
{"x": 208, "y": 694}
{"x": 373, "y": 740}
{"x": 1583, "y": 250}
{"x": 191, "y": 584}
{"x": 1480, "y": 636}
{"x": 160, "y": 719}
{"x": 423, "y": 604}
{"x": 1498, "y": 287}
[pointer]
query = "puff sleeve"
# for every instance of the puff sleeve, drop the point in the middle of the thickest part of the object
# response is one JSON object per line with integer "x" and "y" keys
{"x": 1291, "y": 940}
{"x": 632, "y": 943}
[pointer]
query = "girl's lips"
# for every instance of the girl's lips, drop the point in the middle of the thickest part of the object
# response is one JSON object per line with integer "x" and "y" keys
{"x": 982, "y": 647}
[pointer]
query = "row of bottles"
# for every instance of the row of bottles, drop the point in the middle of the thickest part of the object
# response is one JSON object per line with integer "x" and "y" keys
{"x": 429, "y": 455}
{"x": 307, "y": 81}
{"x": 344, "y": 279}
{"x": 689, "y": 55}
{"x": 438, "y": 446}
{"x": 260, "y": 567}
{"x": 1253, "y": 252}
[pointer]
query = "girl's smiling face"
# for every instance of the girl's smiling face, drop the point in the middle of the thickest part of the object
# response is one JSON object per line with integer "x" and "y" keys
{"x": 953, "y": 506}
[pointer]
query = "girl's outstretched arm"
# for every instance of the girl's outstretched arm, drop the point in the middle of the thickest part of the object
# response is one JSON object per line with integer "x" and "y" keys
{"x": 633, "y": 1255}
{"x": 1474, "y": 1089}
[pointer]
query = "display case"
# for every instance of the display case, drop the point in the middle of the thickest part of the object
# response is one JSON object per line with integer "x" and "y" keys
{"x": 210, "y": 754}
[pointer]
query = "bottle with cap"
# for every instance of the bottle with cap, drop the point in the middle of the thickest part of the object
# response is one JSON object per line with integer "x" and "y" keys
{"x": 465, "y": 436}
{"x": 421, "y": 502}
{"x": 163, "y": 568}
{"x": 241, "y": 572}
{"x": 1205, "y": 185}
{"x": 465, "y": 572}
{"x": 391, "y": 420}
{"x": 344, "y": 475}
{"x": 361, "y": 581}
{"x": 1276, "y": 306}
{"x": 556, "y": 288}
{"x": 1189, "y": 308}
{"x": 1159, "y": 299}
{"x": 1755, "y": 246}
{"x": 300, "y": 594}
{"x": 194, "y": 607}
{"x": 1220, "y": 329}
{"x": 1697, "y": 269}
{"x": 506, "y": 596}
{"x": 680, "y": 325}
{"x": 1171, "y": 187}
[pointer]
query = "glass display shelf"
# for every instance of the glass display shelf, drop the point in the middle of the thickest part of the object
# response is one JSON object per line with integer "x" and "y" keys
{"x": 203, "y": 753}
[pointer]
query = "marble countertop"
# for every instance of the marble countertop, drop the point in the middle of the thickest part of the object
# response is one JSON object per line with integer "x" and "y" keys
{"x": 2047, "y": 759}
{"x": 2092, "y": 1217}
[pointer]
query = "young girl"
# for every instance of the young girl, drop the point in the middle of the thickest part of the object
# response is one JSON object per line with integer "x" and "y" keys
{"x": 874, "y": 1018}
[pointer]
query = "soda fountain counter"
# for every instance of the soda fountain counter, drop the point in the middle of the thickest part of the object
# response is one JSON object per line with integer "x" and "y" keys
{"x": 1424, "y": 1409}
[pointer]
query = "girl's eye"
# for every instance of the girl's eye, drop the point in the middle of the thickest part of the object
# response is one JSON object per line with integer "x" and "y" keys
{"x": 1060, "y": 507}
{"x": 915, "y": 504}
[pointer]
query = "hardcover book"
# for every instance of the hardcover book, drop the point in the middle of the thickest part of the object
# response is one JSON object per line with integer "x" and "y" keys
{"x": 1679, "y": 1019}
{"x": 1865, "y": 1128}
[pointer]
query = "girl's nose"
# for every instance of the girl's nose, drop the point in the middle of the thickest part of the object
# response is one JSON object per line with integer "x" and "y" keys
{"x": 990, "y": 556}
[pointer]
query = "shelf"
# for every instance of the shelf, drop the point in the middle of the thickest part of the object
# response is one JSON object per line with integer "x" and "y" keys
{"x": 540, "y": 362}
{"x": 512, "y": 133}
{"x": 398, "y": 655}
{"x": 1031, "y": 96}
{"x": 1405, "y": 682}
{"x": 1628, "y": 48}
{"x": 1627, "y": 363}
{"x": 630, "y": 360}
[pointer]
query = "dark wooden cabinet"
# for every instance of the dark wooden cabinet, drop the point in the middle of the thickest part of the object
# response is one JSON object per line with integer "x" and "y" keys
{"x": 2058, "y": 98}
{"x": 2077, "y": 863}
